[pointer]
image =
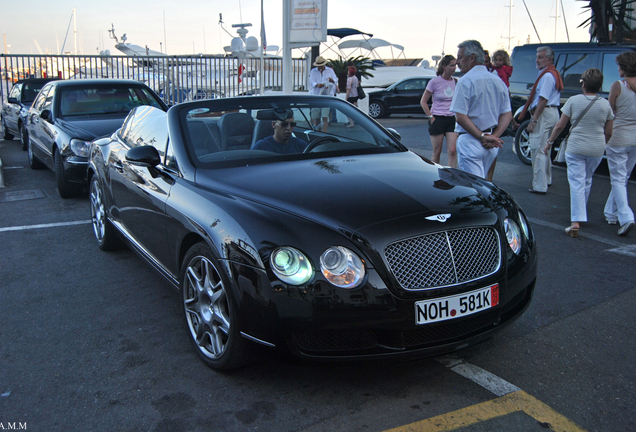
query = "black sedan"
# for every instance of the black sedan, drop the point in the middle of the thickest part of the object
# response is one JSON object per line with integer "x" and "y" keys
{"x": 349, "y": 246}
{"x": 403, "y": 97}
{"x": 67, "y": 115}
{"x": 15, "y": 109}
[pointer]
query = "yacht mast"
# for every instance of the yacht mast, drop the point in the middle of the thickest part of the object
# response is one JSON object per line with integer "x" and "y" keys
{"x": 556, "y": 20}
{"x": 74, "y": 32}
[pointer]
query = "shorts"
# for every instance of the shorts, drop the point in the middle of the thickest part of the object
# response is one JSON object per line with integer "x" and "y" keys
{"x": 352, "y": 100}
{"x": 442, "y": 125}
{"x": 317, "y": 113}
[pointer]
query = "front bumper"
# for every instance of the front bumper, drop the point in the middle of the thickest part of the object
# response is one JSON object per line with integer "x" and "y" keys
{"x": 321, "y": 322}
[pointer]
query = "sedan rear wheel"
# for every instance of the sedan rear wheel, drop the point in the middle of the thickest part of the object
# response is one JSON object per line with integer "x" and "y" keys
{"x": 210, "y": 311}
{"x": 104, "y": 231}
{"x": 376, "y": 109}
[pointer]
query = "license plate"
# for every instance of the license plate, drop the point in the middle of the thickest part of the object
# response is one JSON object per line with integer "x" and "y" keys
{"x": 445, "y": 308}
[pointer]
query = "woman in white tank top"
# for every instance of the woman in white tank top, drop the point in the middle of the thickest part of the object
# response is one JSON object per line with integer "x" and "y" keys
{"x": 621, "y": 148}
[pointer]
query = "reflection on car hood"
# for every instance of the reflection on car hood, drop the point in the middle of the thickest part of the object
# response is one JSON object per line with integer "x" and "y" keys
{"x": 89, "y": 128}
{"x": 356, "y": 191}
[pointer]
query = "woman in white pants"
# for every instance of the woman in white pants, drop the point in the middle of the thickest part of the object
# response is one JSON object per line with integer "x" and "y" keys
{"x": 586, "y": 142}
{"x": 621, "y": 148}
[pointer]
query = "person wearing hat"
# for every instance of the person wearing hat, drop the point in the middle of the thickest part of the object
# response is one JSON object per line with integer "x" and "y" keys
{"x": 322, "y": 81}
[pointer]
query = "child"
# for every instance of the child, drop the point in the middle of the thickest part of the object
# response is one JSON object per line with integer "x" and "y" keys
{"x": 501, "y": 60}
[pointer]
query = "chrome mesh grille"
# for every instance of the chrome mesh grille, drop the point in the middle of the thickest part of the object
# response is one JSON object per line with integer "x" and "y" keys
{"x": 445, "y": 258}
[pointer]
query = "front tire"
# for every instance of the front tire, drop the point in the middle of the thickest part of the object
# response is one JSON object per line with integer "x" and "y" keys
{"x": 105, "y": 234}
{"x": 5, "y": 132}
{"x": 65, "y": 188}
{"x": 211, "y": 313}
{"x": 34, "y": 162}
{"x": 522, "y": 143}
{"x": 376, "y": 110}
{"x": 24, "y": 137}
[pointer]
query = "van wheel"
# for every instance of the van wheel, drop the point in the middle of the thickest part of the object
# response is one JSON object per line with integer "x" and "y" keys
{"x": 522, "y": 143}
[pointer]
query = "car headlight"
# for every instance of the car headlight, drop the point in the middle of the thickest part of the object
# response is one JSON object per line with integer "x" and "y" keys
{"x": 291, "y": 266}
{"x": 80, "y": 148}
{"x": 513, "y": 235}
{"x": 524, "y": 225}
{"x": 342, "y": 267}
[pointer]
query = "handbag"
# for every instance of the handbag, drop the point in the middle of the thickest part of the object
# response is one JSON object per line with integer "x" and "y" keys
{"x": 560, "y": 156}
{"x": 361, "y": 94}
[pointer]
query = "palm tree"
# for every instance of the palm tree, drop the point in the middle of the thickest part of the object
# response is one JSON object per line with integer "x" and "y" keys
{"x": 363, "y": 66}
{"x": 608, "y": 20}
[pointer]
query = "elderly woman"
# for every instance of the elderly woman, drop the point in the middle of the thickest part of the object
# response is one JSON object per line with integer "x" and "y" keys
{"x": 586, "y": 142}
{"x": 621, "y": 148}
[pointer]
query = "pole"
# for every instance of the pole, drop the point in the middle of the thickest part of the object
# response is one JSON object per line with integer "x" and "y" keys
{"x": 261, "y": 79}
{"x": 287, "y": 56}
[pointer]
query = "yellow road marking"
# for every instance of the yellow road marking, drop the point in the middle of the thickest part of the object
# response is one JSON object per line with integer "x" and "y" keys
{"x": 510, "y": 403}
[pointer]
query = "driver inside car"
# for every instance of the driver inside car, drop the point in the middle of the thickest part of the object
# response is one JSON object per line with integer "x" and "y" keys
{"x": 282, "y": 141}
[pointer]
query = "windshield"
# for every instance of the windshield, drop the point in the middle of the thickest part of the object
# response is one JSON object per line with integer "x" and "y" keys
{"x": 264, "y": 129}
{"x": 103, "y": 100}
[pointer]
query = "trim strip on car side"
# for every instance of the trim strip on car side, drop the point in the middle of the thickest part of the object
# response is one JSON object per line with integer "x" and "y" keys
{"x": 150, "y": 257}
{"x": 262, "y": 342}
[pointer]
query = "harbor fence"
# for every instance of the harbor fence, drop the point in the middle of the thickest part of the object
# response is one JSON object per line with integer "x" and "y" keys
{"x": 174, "y": 78}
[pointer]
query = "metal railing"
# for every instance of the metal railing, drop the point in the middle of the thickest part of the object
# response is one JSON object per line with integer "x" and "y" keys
{"x": 174, "y": 78}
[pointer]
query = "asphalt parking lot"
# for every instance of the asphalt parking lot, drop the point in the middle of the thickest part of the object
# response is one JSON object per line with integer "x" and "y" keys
{"x": 94, "y": 341}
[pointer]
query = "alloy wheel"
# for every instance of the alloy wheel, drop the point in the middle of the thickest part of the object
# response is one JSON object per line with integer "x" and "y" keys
{"x": 207, "y": 307}
{"x": 98, "y": 215}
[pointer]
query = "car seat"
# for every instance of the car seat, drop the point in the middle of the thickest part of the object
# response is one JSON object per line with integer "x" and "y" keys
{"x": 263, "y": 129}
{"x": 202, "y": 139}
{"x": 236, "y": 131}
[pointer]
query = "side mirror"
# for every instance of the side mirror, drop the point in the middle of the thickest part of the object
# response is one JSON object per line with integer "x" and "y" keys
{"x": 395, "y": 133}
{"x": 145, "y": 156}
{"x": 12, "y": 100}
{"x": 46, "y": 115}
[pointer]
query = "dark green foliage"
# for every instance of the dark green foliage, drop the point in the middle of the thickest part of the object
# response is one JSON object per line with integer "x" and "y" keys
{"x": 604, "y": 12}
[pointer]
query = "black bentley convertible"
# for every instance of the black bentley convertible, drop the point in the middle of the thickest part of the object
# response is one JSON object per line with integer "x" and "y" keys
{"x": 349, "y": 247}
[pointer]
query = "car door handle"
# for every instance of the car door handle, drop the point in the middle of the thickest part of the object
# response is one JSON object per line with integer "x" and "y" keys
{"x": 529, "y": 86}
{"x": 118, "y": 166}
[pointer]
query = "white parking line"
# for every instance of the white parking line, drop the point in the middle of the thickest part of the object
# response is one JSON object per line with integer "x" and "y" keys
{"x": 487, "y": 380}
{"x": 617, "y": 247}
{"x": 51, "y": 225}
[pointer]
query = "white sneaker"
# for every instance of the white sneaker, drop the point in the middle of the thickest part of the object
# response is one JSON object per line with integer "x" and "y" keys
{"x": 625, "y": 229}
{"x": 611, "y": 221}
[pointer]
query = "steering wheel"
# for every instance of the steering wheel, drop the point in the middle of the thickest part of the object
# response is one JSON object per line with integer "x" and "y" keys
{"x": 320, "y": 141}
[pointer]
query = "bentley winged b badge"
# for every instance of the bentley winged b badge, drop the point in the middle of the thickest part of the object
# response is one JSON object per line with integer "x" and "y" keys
{"x": 439, "y": 217}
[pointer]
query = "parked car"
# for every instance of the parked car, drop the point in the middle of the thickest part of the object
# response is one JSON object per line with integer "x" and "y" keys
{"x": 67, "y": 115}
{"x": 571, "y": 60}
{"x": 15, "y": 109}
{"x": 354, "y": 248}
{"x": 403, "y": 97}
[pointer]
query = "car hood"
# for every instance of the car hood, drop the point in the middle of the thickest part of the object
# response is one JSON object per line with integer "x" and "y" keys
{"x": 90, "y": 128}
{"x": 354, "y": 192}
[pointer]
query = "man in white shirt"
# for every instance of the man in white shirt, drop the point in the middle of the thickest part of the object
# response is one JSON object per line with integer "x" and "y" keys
{"x": 322, "y": 81}
{"x": 481, "y": 104}
{"x": 543, "y": 104}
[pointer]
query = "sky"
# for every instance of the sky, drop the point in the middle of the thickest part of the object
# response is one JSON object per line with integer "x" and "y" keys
{"x": 424, "y": 28}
